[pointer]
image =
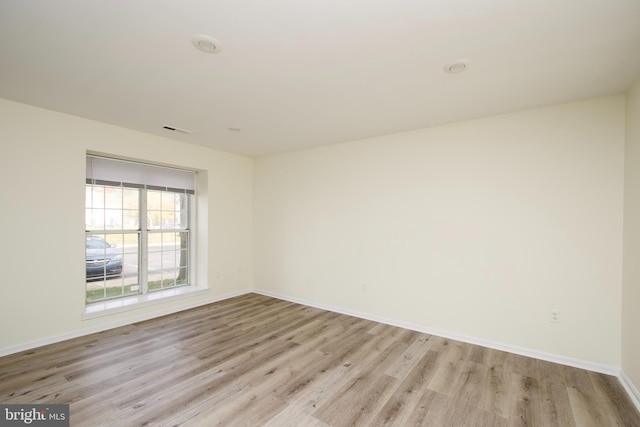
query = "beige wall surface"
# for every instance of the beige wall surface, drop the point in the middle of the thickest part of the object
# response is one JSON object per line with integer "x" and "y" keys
{"x": 631, "y": 271}
{"x": 480, "y": 228}
{"x": 42, "y": 177}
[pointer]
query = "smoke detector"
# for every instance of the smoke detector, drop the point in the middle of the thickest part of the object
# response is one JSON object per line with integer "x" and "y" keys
{"x": 206, "y": 44}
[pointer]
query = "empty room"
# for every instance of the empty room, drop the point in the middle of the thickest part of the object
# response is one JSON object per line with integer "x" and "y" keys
{"x": 320, "y": 213}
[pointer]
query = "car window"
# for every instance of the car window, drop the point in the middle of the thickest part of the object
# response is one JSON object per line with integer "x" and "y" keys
{"x": 96, "y": 244}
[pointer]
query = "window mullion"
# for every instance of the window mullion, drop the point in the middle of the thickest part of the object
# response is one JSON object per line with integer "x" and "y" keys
{"x": 144, "y": 240}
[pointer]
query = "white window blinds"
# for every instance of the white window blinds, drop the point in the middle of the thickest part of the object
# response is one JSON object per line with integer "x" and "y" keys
{"x": 105, "y": 171}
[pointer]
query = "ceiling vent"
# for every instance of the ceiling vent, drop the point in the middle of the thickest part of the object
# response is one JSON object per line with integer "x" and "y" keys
{"x": 457, "y": 67}
{"x": 175, "y": 129}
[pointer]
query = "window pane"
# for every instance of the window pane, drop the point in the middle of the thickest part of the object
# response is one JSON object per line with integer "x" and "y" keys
{"x": 95, "y": 290}
{"x": 97, "y": 196}
{"x": 130, "y": 219}
{"x": 131, "y": 198}
{"x": 155, "y": 241}
{"x": 169, "y": 239}
{"x": 182, "y": 213}
{"x": 131, "y": 208}
{"x": 113, "y": 219}
{"x": 131, "y": 285}
{"x": 168, "y": 201}
{"x": 154, "y": 200}
{"x": 88, "y": 191}
{"x": 131, "y": 242}
{"x": 111, "y": 265}
{"x": 183, "y": 239}
{"x": 167, "y": 259}
{"x": 104, "y": 208}
{"x": 113, "y": 197}
{"x": 169, "y": 278}
{"x": 168, "y": 220}
{"x": 183, "y": 277}
{"x": 94, "y": 219}
{"x": 154, "y": 220}
{"x": 103, "y": 262}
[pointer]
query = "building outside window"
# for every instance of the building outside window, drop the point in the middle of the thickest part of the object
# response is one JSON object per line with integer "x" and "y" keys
{"x": 139, "y": 228}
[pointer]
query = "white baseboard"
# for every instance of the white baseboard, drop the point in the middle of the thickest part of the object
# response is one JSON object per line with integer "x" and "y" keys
{"x": 630, "y": 388}
{"x": 549, "y": 357}
{"x": 111, "y": 325}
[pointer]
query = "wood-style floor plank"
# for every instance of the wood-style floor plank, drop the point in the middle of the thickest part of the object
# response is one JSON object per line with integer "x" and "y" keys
{"x": 258, "y": 361}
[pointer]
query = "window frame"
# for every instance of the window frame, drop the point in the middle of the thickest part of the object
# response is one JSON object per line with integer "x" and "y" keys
{"x": 143, "y": 250}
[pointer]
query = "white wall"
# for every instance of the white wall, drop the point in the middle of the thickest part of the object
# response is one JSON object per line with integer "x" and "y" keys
{"x": 631, "y": 272}
{"x": 42, "y": 177}
{"x": 479, "y": 228}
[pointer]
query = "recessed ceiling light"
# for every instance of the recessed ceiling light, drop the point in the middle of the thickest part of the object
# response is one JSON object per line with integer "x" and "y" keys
{"x": 457, "y": 67}
{"x": 206, "y": 44}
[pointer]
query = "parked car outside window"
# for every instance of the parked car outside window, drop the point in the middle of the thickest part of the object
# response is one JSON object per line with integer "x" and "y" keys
{"x": 101, "y": 258}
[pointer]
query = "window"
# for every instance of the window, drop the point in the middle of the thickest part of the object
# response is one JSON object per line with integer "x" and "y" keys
{"x": 139, "y": 228}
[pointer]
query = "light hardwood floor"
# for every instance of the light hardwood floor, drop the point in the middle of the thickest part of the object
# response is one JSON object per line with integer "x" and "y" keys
{"x": 254, "y": 360}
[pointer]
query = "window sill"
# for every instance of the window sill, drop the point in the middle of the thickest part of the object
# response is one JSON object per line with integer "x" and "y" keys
{"x": 114, "y": 306}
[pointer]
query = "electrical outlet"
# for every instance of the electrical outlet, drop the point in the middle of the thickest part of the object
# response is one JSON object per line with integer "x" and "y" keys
{"x": 555, "y": 316}
{"x": 364, "y": 287}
